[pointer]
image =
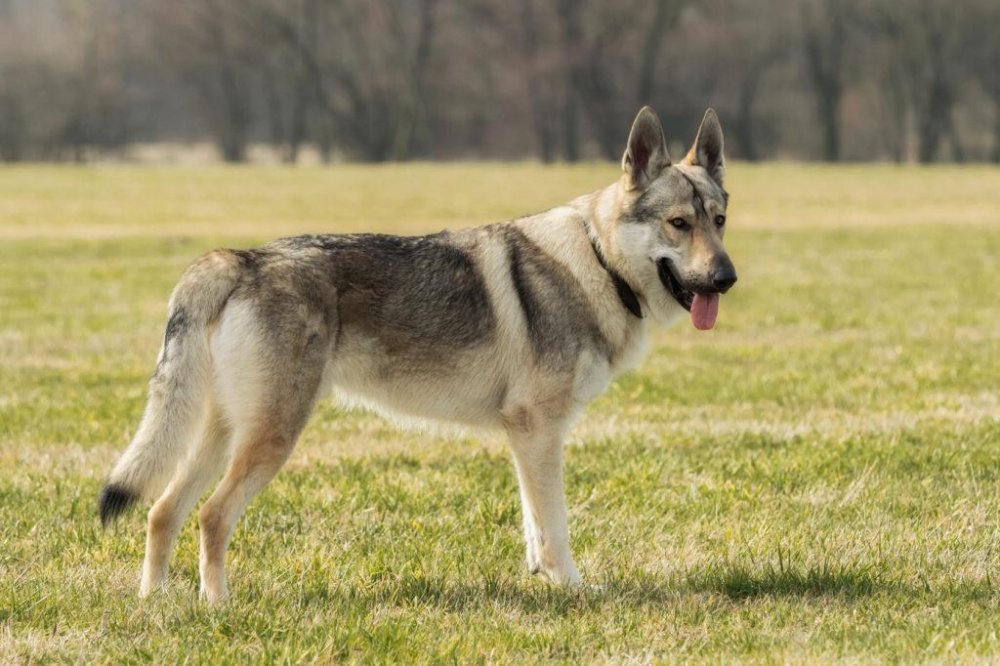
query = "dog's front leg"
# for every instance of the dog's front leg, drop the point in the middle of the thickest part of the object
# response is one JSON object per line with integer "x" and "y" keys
{"x": 538, "y": 458}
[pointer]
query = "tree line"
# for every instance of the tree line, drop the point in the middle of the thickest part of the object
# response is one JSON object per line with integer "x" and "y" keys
{"x": 382, "y": 80}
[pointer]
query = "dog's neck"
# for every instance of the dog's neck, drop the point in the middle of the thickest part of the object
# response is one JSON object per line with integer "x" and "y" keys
{"x": 625, "y": 292}
{"x": 591, "y": 208}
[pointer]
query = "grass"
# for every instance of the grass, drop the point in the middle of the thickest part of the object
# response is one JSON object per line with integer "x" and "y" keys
{"x": 816, "y": 479}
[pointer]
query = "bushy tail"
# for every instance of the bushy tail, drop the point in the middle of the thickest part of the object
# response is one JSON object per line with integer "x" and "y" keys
{"x": 177, "y": 391}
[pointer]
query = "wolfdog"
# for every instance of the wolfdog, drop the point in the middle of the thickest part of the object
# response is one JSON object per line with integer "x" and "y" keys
{"x": 514, "y": 326}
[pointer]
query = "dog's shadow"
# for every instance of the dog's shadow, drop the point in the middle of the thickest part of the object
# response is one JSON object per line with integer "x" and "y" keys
{"x": 738, "y": 582}
{"x": 734, "y": 583}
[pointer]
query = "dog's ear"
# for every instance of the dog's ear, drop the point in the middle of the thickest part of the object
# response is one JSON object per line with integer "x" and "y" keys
{"x": 706, "y": 151}
{"x": 646, "y": 152}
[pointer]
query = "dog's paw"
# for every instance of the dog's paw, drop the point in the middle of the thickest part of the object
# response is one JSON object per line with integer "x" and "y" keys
{"x": 566, "y": 577}
{"x": 146, "y": 589}
{"x": 214, "y": 596}
{"x": 534, "y": 563}
{"x": 564, "y": 574}
{"x": 151, "y": 581}
{"x": 533, "y": 556}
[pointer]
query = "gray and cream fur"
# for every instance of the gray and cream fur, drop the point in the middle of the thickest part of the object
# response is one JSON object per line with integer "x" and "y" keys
{"x": 514, "y": 326}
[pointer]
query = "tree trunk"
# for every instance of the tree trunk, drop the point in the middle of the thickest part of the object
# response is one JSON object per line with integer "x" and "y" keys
{"x": 541, "y": 114}
{"x": 665, "y": 12}
{"x": 897, "y": 124}
{"x": 234, "y": 121}
{"x": 571, "y": 126}
{"x": 824, "y": 41}
{"x": 232, "y": 117}
{"x": 831, "y": 127}
{"x": 744, "y": 119}
{"x": 569, "y": 15}
{"x": 936, "y": 111}
{"x": 275, "y": 109}
{"x": 996, "y": 130}
{"x": 957, "y": 149}
{"x": 416, "y": 133}
{"x": 598, "y": 95}
{"x": 298, "y": 128}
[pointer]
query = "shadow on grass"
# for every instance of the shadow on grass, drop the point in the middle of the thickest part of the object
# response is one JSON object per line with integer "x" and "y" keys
{"x": 738, "y": 581}
{"x": 735, "y": 582}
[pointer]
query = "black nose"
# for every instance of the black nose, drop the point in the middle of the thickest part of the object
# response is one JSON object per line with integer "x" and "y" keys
{"x": 724, "y": 276}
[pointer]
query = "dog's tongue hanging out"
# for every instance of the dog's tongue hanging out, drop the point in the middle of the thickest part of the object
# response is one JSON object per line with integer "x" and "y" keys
{"x": 704, "y": 311}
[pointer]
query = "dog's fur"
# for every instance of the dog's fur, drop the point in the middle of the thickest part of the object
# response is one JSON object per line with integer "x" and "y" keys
{"x": 515, "y": 326}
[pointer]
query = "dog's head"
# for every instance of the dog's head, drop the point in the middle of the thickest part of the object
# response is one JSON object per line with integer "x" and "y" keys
{"x": 671, "y": 219}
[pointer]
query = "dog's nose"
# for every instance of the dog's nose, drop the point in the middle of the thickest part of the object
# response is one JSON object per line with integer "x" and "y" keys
{"x": 723, "y": 278}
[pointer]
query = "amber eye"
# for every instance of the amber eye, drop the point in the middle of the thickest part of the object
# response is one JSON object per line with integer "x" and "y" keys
{"x": 720, "y": 221}
{"x": 679, "y": 223}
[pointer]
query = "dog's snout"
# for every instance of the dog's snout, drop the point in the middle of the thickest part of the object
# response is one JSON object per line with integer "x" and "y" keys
{"x": 724, "y": 282}
{"x": 723, "y": 275}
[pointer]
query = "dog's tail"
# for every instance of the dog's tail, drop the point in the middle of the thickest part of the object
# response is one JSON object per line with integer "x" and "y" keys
{"x": 179, "y": 386}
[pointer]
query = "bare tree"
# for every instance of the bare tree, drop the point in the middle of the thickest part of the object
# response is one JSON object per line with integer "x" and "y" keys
{"x": 980, "y": 51}
{"x": 599, "y": 42}
{"x": 929, "y": 39}
{"x": 206, "y": 43}
{"x": 539, "y": 84}
{"x": 924, "y": 71}
{"x": 372, "y": 92}
{"x": 824, "y": 33}
{"x": 664, "y": 19}
{"x": 14, "y": 127}
{"x": 576, "y": 75}
{"x": 745, "y": 51}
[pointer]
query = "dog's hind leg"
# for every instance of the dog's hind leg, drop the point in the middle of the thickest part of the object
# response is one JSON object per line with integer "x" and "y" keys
{"x": 268, "y": 387}
{"x": 204, "y": 466}
{"x": 538, "y": 459}
{"x": 254, "y": 465}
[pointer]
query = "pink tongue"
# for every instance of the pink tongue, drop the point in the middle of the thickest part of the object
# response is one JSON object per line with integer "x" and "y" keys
{"x": 704, "y": 310}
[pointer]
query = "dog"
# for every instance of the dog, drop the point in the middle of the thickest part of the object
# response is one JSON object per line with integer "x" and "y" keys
{"x": 514, "y": 326}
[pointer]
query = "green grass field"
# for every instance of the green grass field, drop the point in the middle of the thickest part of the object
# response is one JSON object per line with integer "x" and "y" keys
{"x": 816, "y": 479}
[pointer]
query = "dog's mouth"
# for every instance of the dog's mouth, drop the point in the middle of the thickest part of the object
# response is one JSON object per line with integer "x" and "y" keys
{"x": 673, "y": 284}
{"x": 703, "y": 306}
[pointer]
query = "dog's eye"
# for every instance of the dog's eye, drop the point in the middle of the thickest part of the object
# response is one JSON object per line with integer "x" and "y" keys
{"x": 679, "y": 223}
{"x": 720, "y": 220}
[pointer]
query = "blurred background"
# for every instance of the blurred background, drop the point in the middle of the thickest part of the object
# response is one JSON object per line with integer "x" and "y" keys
{"x": 557, "y": 80}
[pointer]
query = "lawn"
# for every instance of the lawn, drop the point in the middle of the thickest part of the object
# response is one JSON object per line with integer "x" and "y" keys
{"x": 816, "y": 479}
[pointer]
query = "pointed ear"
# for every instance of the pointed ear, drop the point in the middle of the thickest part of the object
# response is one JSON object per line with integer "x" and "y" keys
{"x": 706, "y": 151}
{"x": 646, "y": 152}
